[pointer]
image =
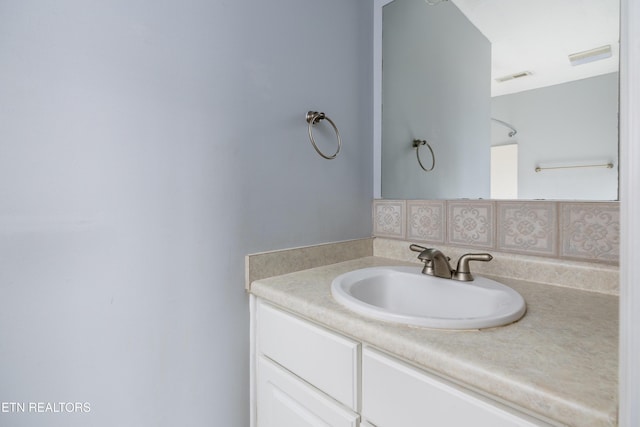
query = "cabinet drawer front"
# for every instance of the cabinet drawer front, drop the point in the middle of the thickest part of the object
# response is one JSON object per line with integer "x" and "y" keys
{"x": 396, "y": 394}
{"x": 286, "y": 401}
{"x": 325, "y": 359}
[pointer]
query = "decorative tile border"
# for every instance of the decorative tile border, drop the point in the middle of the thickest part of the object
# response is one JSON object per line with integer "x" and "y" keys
{"x": 426, "y": 220}
{"x": 590, "y": 231}
{"x": 528, "y": 227}
{"x": 582, "y": 231}
{"x": 471, "y": 223}
{"x": 389, "y": 218}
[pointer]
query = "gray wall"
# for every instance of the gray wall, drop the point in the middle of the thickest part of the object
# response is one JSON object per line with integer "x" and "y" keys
{"x": 145, "y": 148}
{"x": 561, "y": 124}
{"x": 436, "y": 85}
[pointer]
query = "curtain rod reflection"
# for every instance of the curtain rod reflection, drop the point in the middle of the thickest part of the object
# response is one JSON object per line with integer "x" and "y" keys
{"x": 507, "y": 125}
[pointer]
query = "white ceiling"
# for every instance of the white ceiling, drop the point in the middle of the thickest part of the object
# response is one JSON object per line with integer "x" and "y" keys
{"x": 538, "y": 36}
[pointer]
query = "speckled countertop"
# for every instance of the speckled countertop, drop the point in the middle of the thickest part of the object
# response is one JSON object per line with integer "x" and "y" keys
{"x": 560, "y": 361}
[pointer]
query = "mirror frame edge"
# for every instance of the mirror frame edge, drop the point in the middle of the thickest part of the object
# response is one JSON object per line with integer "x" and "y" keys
{"x": 377, "y": 97}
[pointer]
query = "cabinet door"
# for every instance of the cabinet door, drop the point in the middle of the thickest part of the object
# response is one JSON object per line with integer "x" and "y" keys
{"x": 286, "y": 401}
{"x": 396, "y": 394}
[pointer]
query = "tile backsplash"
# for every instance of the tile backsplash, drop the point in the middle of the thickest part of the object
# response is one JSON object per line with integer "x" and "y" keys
{"x": 582, "y": 231}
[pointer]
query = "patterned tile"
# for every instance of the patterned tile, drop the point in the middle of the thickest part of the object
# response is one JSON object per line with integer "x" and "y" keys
{"x": 590, "y": 231}
{"x": 426, "y": 220}
{"x": 584, "y": 231}
{"x": 470, "y": 223}
{"x": 528, "y": 227}
{"x": 388, "y": 218}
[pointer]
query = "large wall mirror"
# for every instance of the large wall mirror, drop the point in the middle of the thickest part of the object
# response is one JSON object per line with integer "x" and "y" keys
{"x": 516, "y": 99}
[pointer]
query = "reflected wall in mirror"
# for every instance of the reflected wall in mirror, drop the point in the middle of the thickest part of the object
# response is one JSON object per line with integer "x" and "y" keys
{"x": 450, "y": 68}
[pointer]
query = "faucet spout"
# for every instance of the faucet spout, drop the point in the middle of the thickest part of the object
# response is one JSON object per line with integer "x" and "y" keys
{"x": 435, "y": 262}
{"x": 441, "y": 266}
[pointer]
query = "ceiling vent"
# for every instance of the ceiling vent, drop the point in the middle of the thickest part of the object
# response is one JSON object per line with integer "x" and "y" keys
{"x": 513, "y": 76}
{"x": 596, "y": 54}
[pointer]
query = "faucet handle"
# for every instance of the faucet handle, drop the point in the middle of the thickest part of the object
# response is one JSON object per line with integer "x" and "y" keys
{"x": 422, "y": 250}
{"x": 428, "y": 264}
{"x": 463, "y": 272}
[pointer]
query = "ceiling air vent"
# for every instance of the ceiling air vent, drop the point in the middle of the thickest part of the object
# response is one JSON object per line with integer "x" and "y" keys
{"x": 513, "y": 76}
{"x": 591, "y": 55}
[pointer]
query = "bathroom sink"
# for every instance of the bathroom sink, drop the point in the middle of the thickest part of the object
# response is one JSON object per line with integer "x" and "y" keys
{"x": 405, "y": 295}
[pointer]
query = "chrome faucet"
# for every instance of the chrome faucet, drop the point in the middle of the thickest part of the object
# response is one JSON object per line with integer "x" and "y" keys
{"x": 437, "y": 264}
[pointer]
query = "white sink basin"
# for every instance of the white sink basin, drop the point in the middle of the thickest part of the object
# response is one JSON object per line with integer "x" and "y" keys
{"x": 405, "y": 295}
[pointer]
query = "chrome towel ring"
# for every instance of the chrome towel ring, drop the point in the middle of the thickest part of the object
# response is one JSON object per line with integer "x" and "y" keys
{"x": 313, "y": 118}
{"x": 417, "y": 143}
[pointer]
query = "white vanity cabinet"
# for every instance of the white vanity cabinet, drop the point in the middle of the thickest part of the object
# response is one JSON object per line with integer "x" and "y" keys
{"x": 397, "y": 394}
{"x": 306, "y": 375}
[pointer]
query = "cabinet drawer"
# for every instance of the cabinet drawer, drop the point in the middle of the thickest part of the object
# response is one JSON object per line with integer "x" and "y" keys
{"x": 396, "y": 394}
{"x": 326, "y": 360}
{"x": 284, "y": 400}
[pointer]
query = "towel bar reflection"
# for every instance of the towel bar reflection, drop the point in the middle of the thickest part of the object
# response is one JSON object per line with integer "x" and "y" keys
{"x": 417, "y": 143}
{"x": 592, "y": 165}
{"x": 313, "y": 118}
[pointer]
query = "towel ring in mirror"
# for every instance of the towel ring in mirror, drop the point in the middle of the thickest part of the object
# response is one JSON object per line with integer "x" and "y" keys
{"x": 417, "y": 143}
